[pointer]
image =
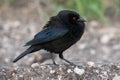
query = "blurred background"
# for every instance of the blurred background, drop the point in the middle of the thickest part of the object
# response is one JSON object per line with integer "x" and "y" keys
{"x": 20, "y": 20}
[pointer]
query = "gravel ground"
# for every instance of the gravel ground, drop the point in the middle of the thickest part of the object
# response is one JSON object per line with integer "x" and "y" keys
{"x": 89, "y": 71}
{"x": 100, "y": 45}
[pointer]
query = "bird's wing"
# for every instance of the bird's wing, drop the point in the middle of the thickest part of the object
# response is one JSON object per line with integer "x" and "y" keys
{"x": 48, "y": 34}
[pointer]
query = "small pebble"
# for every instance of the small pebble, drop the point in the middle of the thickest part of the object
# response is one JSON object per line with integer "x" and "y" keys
{"x": 52, "y": 71}
{"x": 105, "y": 39}
{"x": 69, "y": 71}
{"x": 116, "y": 77}
{"x": 21, "y": 76}
{"x": 91, "y": 64}
{"x": 79, "y": 71}
{"x": 13, "y": 70}
{"x": 35, "y": 65}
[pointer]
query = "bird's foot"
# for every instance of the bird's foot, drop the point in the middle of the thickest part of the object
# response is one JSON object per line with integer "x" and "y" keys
{"x": 72, "y": 64}
{"x": 54, "y": 63}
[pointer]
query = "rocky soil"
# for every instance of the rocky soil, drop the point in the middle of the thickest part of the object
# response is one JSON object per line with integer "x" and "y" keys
{"x": 97, "y": 53}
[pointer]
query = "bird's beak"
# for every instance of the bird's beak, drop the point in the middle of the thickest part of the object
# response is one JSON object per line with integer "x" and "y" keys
{"x": 81, "y": 20}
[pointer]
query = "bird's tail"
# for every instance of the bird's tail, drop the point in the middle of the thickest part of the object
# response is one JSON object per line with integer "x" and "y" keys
{"x": 28, "y": 51}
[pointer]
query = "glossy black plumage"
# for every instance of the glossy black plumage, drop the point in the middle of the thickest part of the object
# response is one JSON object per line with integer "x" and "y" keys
{"x": 61, "y": 32}
{"x": 48, "y": 34}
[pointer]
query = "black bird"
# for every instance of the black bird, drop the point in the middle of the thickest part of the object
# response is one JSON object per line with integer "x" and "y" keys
{"x": 61, "y": 32}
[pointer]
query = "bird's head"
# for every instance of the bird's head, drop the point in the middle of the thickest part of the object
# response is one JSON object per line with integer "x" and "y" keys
{"x": 70, "y": 17}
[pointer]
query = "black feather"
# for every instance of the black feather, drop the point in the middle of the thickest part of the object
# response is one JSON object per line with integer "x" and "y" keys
{"x": 48, "y": 34}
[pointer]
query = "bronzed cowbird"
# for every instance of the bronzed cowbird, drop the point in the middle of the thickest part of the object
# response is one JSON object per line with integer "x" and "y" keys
{"x": 61, "y": 32}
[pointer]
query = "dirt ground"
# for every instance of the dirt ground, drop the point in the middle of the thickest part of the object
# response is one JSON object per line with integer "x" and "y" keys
{"x": 100, "y": 42}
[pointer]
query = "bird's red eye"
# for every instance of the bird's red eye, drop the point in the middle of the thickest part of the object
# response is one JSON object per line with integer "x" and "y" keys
{"x": 74, "y": 18}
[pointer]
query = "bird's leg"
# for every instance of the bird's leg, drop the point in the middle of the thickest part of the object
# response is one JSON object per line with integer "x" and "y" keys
{"x": 53, "y": 59}
{"x": 61, "y": 56}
